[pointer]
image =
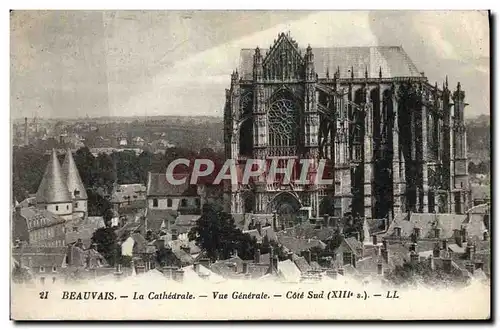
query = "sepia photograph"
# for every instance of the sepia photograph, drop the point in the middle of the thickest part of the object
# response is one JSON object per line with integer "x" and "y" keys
{"x": 250, "y": 165}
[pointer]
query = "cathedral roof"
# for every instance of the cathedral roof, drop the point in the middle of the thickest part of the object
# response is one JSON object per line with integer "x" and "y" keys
{"x": 72, "y": 176}
{"x": 392, "y": 60}
{"x": 53, "y": 188}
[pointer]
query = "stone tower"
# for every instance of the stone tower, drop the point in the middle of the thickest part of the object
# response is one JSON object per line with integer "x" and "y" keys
{"x": 75, "y": 185}
{"x": 53, "y": 192}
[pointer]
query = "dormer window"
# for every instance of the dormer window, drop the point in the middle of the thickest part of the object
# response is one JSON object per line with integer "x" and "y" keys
{"x": 54, "y": 269}
{"x": 76, "y": 193}
{"x": 42, "y": 269}
{"x": 57, "y": 207}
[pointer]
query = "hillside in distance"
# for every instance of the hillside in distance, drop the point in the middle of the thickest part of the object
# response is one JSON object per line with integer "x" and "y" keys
{"x": 479, "y": 138}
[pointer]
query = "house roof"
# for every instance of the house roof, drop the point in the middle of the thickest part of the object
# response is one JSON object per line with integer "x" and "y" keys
{"x": 155, "y": 218}
{"x": 426, "y": 222}
{"x": 309, "y": 230}
{"x": 392, "y": 60}
{"x": 38, "y": 218}
{"x": 301, "y": 264}
{"x": 72, "y": 177}
{"x": 31, "y": 256}
{"x": 298, "y": 245}
{"x": 289, "y": 271}
{"x": 53, "y": 188}
{"x": 135, "y": 191}
{"x": 159, "y": 186}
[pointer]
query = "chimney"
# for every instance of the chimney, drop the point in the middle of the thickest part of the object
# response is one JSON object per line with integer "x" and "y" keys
{"x": 486, "y": 236}
{"x": 413, "y": 247}
{"x": 290, "y": 256}
{"x": 259, "y": 227}
{"x": 307, "y": 256}
{"x": 275, "y": 222}
{"x": 380, "y": 269}
{"x": 385, "y": 254}
{"x": 174, "y": 234}
{"x": 179, "y": 275}
{"x": 167, "y": 271}
{"x": 457, "y": 234}
{"x": 275, "y": 263}
{"x": 397, "y": 231}
{"x": 437, "y": 232}
{"x": 414, "y": 256}
{"x": 469, "y": 252}
{"x": 416, "y": 232}
{"x": 470, "y": 267}
{"x": 374, "y": 239}
{"x": 140, "y": 269}
{"x": 245, "y": 267}
{"x": 205, "y": 262}
{"x": 447, "y": 264}
{"x": 196, "y": 267}
{"x": 436, "y": 252}
{"x": 463, "y": 233}
{"x": 432, "y": 263}
{"x": 331, "y": 273}
{"x": 257, "y": 256}
{"x": 377, "y": 250}
{"x": 445, "y": 244}
{"x": 384, "y": 243}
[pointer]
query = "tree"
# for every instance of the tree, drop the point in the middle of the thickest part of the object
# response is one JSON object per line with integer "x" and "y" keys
{"x": 107, "y": 244}
{"x": 413, "y": 273}
{"x": 216, "y": 233}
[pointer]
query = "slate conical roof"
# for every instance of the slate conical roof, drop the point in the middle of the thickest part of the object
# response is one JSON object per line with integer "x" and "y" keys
{"x": 53, "y": 188}
{"x": 72, "y": 177}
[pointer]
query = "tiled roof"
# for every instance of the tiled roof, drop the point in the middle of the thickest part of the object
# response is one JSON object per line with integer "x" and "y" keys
{"x": 136, "y": 192}
{"x": 354, "y": 244}
{"x": 426, "y": 222}
{"x": 159, "y": 186}
{"x": 155, "y": 218}
{"x": 72, "y": 177}
{"x": 53, "y": 188}
{"x": 392, "y": 60}
{"x": 30, "y": 256}
{"x": 140, "y": 243}
{"x": 289, "y": 271}
{"x": 298, "y": 245}
{"x": 308, "y": 230}
{"x": 38, "y": 218}
{"x": 301, "y": 264}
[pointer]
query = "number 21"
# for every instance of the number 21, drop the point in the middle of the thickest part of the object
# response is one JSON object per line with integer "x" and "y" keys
{"x": 44, "y": 294}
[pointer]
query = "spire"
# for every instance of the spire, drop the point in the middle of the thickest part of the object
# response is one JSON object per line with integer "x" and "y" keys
{"x": 380, "y": 72}
{"x": 53, "y": 188}
{"x": 352, "y": 71}
{"x": 446, "y": 83}
{"x": 72, "y": 177}
{"x": 366, "y": 71}
{"x": 327, "y": 73}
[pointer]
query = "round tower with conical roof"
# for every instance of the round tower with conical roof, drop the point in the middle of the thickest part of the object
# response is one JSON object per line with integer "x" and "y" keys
{"x": 75, "y": 185}
{"x": 53, "y": 194}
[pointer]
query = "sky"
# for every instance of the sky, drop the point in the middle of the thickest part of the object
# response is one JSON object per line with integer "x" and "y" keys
{"x": 147, "y": 63}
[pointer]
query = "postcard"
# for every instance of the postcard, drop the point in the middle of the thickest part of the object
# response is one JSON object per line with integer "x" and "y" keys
{"x": 250, "y": 165}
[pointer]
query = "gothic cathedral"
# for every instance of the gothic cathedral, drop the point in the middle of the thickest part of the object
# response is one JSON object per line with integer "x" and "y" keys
{"x": 392, "y": 141}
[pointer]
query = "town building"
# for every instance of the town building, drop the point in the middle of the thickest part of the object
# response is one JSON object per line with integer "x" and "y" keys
{"x": 392, "y": 141}
{"x": 75, "y": 185}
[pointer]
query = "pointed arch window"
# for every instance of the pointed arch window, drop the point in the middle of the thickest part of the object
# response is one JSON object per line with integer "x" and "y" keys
{"x": 283, "y": 121}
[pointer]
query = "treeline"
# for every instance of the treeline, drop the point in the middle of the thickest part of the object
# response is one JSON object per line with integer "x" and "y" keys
{"x": 100, "y": 172}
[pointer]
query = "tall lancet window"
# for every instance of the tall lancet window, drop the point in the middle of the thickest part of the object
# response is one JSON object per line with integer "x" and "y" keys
{"x": 283, "y": 122}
